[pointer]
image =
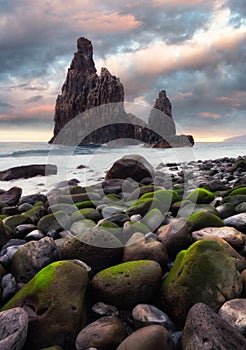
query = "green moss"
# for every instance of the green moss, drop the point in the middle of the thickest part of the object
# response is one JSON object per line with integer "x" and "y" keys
{"x": 57, "y": 221}
{"x": 15, "y": 220}
{"x": 87, "y": 204}
{"x": 36, "y": 213}
{"x": 132, "y": 268}
{"x": 86, "y": 213}
{"x": 203, "y": 219}
{"x": 66, "y": 208}
{"x": 142, "y": 206}
{"x": 190, "y": 209}
{"x": 238, "y": 191}
{"x": 39, "y": 282}
{"x": 80, "y": 190}
{"x": 200, "y": 196}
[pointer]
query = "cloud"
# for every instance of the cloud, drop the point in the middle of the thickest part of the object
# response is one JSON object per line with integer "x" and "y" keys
{"x": 194, "y": 49}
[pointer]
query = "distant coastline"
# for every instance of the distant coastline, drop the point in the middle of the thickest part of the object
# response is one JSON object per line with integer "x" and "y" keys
{"x": 236, "y": 139}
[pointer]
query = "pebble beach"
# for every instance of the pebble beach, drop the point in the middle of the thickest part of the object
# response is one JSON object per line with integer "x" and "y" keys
{"x": 147, "y": 258}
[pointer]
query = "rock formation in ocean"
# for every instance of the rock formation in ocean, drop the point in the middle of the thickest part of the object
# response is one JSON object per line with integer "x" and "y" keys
{"x": 91, "y": 108}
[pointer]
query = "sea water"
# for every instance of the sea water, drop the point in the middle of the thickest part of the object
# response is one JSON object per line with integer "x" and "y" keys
{"x": 97, "y": 160}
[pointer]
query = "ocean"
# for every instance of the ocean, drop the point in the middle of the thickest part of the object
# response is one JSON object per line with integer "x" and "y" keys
{"x": 97, "y": 160}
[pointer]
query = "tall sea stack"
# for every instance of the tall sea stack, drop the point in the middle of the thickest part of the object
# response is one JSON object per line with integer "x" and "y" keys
{"x": 91, "y": 108}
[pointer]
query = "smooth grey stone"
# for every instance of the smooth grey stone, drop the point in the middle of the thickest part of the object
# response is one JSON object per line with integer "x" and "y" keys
{"x": 22, "y": 230}
{"x": 32, "y": 257}
{"x": 35, "y": 235}
{"x": 13, "y": 329}
{"x": 9, "y": 287}
{"x": 10, "y": 251}
{"x": 24, "y": 207}
{"x": 101, "y": 309}
{"x": 238, "y": 221}
{"x": 146, "y": 314}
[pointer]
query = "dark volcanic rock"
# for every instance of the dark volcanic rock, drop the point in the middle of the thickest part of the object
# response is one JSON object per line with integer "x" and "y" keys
{"x": 28, "y": 171}
{"x": 12, "y": 196}
{"x": 91, "y": 109}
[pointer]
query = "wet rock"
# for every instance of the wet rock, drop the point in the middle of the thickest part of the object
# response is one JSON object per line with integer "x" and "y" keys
{"x": 13, "y": 329}
{"x": 33, "y": 198}
{"x": 107, "y": 332}
{"x": 9, "y": 287}
{"x": 229, "y": 234}
{"x": 234, "y": 312}
{"x": 175, "y": 236}
{"x": 97, "y": 248}
{"x": 204, "y": 329}
{"x": 54, "y": 301}
{"x": 120, "y": 284}
{"x": 133, "y": 165}
{"x": 32, "y": 257}
{"x": 28, "y": 171}
{"x": 12, "y": 196}
{"x": 22, "y": 230}
{"x": 149, "y": 337}
{"x": 34, "y": 235}
{"x": 101, "y": 309}
{"x": 58, "y": 222}
{"x": 146, "y": 249}
{"x": 146, "y": 315}
{"x": 237, "y": 221}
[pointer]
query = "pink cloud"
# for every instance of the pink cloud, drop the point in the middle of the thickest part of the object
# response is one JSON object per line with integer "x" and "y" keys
{"x": 208, "y": 115}
{"x": 106, "y": 22}
{"x": 236, "y": 100}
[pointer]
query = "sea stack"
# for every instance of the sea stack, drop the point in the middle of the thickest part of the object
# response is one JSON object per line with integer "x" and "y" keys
{"x": 90, "y": 109}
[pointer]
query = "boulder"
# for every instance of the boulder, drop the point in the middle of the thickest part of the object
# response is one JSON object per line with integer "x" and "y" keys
{"x": 229, "y": 234}
{"x": 133, "y": 165}
{"x": 32, "y": 257}
{"x": 237, "y": 221}
{"x": 13, "y": 329}
{"x": 149, "y": 337}
{"x": 105, "y": 333}
{"x": 54, "y": 301}
{"x": 205, "y": 273}
{"x": 120, "y": 285}
{"x": 175, "y": 236}
{"x": 204, "y": 329}
{"x": 234, "y": 312}
{"x": 28, "y": 171}
{"x": 12, "y": 196}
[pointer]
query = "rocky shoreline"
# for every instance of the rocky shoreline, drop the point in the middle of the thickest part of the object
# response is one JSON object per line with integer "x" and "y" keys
{"x": 146, "y": 259}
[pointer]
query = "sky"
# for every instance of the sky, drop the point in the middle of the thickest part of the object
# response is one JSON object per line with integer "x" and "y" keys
{"x": 193, "y": 49}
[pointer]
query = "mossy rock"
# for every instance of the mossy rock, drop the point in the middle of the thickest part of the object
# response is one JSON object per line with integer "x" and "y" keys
{"x": 238, "y": 191}
{"x": 135, "y": 226}
{"x": 5, "y": 234}
{"x": 58, "y": 221}
{"x": 80, "y": 190}
{"x": 54, "y": 300}
{"x": 200, "y": 196}
{"x": 235, "y": 199}
{"x": 112, "y": 228}
{"x": 142, "y": 206}
{"x": 87, "y": 204}
{"x": 36, "y": 213}
{"x": 178, "y": 205}
{"x": 239, "y": 164}
{"x": 111, "y": 198}
{"x": 166, "y": 198}
{"x": 81, "y": 226}
{"x": 86, "y": 213}
{"x": 76, "y": 198}
{"x": 15, "y": 220}
{"x": 2, "y": 205}
{"x": 205, "y": 273}
{"x": 137, "y": 193}
{"x": 192, "y": 208}
{"x": 203, "y": 219}
{"x": 128, "y": 284}
{"x": 153, "y": 219}
{"x": 97, "y": 248}
{"x": 66, "y": 208}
